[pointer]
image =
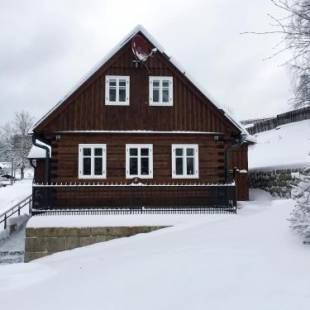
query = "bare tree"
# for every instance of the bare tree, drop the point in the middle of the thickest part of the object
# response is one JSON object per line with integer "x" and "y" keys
{"x": 16, "y": 141}
{"x": 22, "y": 142}
{"x": 295, "y": 30}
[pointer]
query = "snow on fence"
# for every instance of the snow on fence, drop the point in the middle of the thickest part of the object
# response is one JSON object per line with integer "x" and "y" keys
{"x": 280, "y": 119}
{"x": 24, "y": 205}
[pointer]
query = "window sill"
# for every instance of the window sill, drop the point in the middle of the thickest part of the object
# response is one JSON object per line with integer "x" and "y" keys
{"x": 92, "y": 177}
{"x": 117, "y": 104}
{"x": 185, "y": 177}
{"x": 129, "y": 177}
{"x": 161, "y": 104}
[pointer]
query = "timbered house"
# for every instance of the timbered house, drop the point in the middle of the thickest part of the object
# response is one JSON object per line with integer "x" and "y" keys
{"x": 138, "y": 132}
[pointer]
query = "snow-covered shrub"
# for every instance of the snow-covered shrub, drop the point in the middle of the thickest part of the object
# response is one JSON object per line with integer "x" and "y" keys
{"x": 300, "y": 216}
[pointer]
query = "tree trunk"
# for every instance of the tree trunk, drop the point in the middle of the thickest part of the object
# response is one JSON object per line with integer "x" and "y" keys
{"x": 22, "y": 172}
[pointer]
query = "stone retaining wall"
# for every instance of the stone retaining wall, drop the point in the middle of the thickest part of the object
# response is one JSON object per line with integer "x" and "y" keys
{"x": 277, "y": 182}
{"x": 45, "y": 241}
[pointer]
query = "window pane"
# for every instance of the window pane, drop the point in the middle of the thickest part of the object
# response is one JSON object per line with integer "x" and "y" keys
{"x": 155, "y": 95}
{"x": 98, "y": 166}
{"x": 190, "y": 152}
{"x": 86, "y": 166}
{"x": 165, "y": 95}
{"x": 145, "y": 166}
{"x": 166, "y": 83}
{"x": 178, "y": 152}
{"x": 133, "y": 166}
{"x": 122, "y": 94}
{"x": 112, "y": 83}
{"x": 179, "y": 166}
{"x": 144, "y": 152}
{"x": 190, "y": 166}
{"x": 122, "y": 83}
{"x": 98, "y": 152}
{"x": 87, "y": 152}
{"x": 112, "y": 94}
{"x": 155, "y": 83}
{"x": 133, "y": 152}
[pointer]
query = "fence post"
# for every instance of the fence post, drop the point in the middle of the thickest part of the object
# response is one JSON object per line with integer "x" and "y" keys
{"x": 29, "y": 206}
{"x": 5, "y": 219}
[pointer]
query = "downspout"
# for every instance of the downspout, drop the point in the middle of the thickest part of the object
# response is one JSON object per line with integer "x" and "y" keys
{"x": 47, "y": 159}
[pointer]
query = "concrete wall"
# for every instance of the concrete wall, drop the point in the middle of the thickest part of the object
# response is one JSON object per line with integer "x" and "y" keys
{"x": 45, "y": 241}
{"x": 277, "y": 182}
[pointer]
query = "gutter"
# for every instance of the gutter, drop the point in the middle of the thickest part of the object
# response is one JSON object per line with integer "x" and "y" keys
{"x": 47, "y": 158}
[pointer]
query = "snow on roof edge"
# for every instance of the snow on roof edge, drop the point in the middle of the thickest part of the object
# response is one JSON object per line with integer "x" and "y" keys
{"x": 140, "y": 28}
{"x": 37, "y": 152}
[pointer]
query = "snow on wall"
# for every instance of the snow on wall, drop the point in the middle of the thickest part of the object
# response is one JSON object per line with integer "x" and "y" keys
{"x": 286, "y": 146}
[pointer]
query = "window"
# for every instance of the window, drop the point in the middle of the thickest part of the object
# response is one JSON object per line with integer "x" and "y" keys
{"x": 185, "y": 161}
{"x": 92, "y": 161}
{"x": 117, "y": 90}
{"x": 139, "y": 161}
{"x": 161, "y": 90}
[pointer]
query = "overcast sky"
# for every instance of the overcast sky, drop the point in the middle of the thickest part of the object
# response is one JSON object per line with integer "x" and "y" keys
{"x": 47, "y": 46}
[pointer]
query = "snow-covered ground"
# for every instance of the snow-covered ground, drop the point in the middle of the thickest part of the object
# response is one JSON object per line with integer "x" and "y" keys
{"x": 246, "y": 261}
{"x": 12, "y": 194}
{"x": 287, "y": 146}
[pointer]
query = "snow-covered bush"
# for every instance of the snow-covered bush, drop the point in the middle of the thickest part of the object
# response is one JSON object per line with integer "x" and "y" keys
{"x": 300, "y": 216}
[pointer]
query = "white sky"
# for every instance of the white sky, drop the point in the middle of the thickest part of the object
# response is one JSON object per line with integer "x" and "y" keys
{"x": 47, "y": 46}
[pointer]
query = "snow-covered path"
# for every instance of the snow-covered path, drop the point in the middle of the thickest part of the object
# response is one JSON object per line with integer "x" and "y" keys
{"x": 245, "y": 261}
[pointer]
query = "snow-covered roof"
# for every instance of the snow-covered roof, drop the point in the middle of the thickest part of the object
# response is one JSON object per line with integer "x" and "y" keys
{"x": 127, "y": 38}
{"x": 37, "y": 152}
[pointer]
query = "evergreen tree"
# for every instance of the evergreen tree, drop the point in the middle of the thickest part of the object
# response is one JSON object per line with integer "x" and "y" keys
{"x": 300, "y": 216}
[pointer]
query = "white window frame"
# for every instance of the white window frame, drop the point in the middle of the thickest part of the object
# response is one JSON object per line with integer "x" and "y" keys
{"x": 107, "y": 90}
{"x": 196, "y": 161}
{"x": 92, "y": 167}
{"x": 139, "y": 147}
{"x": 160, "y": 103}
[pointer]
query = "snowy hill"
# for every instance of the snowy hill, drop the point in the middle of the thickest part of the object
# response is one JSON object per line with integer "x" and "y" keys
{"x": 208, "y": 262}
{"x": 287, "y": 146}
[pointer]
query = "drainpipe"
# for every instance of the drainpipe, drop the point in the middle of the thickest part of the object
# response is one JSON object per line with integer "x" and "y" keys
{"x": 47, "y": 159}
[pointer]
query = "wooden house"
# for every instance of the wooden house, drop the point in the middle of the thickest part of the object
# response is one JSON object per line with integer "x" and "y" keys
{"x": 138, "y": 133}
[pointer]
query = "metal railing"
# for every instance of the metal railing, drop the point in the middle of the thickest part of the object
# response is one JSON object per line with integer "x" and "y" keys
{"x": 113, "y": 199}
{"x": 16, "y": 209}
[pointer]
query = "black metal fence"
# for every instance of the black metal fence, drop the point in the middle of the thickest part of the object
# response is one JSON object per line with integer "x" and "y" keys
{"x": 133, "y": 199}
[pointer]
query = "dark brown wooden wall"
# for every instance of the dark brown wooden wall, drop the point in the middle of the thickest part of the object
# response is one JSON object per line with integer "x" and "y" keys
{"x": 64, "y": 165}
{"x": 39, "y": 171}
{"x": 238, "y": 158}
{"x": 86, "y": 109}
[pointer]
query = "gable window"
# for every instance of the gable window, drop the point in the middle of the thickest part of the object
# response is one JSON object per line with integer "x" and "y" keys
{"x": 139, "y": 161}
{"x": 161, "y": 90}
{"x": 185, "y": 161}
{"x": 92, "y": 161}
{"x": 116, "y": 90}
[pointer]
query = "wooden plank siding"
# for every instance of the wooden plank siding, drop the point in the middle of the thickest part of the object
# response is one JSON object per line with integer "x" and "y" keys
{"x": 86, "y": 110}
{"x": 238, "y": 159}
{"x": 64, "y": 162}
{"x": 192, "y": 111}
